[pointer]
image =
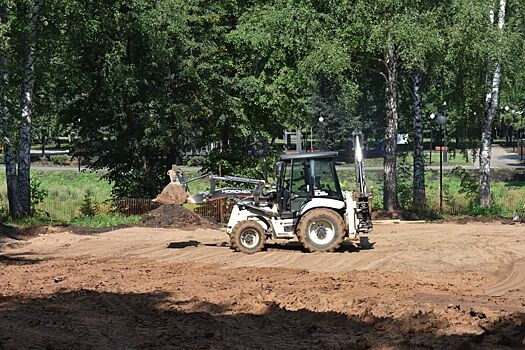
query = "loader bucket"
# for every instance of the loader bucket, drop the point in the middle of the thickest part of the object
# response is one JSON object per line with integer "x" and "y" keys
{"x": 173, "y": 193}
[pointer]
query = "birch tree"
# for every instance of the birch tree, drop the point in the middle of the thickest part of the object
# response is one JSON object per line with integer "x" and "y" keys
{"x": 24, "y": 159}
{"x": 490, "y": 109}
{"x": 421, "y": 33}
{"x": 20, "y": 36}
{"x": 7, "y": 123}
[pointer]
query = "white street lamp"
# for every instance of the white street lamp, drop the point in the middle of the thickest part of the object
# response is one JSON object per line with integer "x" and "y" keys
{"x": 441, "y": 119}
{"x": 432, "y": 116}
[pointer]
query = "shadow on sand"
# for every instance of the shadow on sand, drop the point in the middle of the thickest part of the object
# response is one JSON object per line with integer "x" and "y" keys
{"x": 347, "y": 246}
{"x": 88, "y": 319}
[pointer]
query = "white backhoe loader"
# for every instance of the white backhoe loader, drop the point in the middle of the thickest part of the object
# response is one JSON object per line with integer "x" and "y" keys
{"x": 306, "y": 204}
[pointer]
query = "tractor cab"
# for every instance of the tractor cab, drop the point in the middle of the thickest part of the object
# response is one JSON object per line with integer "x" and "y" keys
{"x": 304, "y": 177}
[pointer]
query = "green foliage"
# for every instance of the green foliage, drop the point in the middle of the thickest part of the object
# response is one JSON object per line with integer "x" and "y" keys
{"x": 89, "y": 206}
{"x": 239, "y": 162}
{"x": 196, "y": 161}
{"x": 469, "y": 185}
{"x": 493, "y": 209}
{"x": 4, "y": 212}
{"x": 137, "y": 84}
{"x": 519, "y": 212}
{"x": 106, "y": 220}
{"x": 61, "y": 159}
{"x": 66, "y": 190}
{"x": 404, "y": 182}
{"x": 38, "y": 195}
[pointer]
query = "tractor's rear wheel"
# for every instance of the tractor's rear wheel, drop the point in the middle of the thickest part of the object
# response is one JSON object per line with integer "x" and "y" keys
{"x": 321, "y": 230}
{"x": 248, "y": 237}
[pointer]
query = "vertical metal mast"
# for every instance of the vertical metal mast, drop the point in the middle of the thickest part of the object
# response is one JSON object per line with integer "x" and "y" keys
{"x": 359, "y": 165}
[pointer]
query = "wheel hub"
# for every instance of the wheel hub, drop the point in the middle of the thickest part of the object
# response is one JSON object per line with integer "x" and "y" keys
{"x": 321, "y": 232}
{"x": 249, "y": 238}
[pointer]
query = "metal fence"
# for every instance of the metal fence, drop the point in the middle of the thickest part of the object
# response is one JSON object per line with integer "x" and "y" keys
{"x": 219, "y": 210}
{"x": 135, "y": 206}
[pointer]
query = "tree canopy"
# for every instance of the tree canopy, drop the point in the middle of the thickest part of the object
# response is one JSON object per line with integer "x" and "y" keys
{"x": 141, "y": 83}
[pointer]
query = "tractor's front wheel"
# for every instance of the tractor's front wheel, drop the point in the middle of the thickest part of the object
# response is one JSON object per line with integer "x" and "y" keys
{"x": 248, "y": 237}
{"x": 321, "y": 230}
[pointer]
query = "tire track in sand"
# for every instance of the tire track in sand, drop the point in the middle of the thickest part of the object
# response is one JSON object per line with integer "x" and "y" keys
{"x": 509, "y": 280}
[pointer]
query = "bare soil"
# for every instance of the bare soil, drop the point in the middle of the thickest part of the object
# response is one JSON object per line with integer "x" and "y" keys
{"x": 416, "y": 286}
{"x": 175, "y": 216}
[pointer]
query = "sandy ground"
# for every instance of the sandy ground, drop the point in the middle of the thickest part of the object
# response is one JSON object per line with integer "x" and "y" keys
{"x": 422, "y": 286}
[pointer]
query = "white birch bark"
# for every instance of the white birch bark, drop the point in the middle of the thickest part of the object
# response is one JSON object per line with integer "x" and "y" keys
{"x": 491, "y": 107}
{"x": 24, "y": 161}
{"x": 418, "y": 194}
{"x": 7, "y": 129}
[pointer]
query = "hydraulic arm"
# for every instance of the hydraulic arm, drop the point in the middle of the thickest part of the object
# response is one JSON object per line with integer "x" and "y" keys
{"x": 363, "y": 198}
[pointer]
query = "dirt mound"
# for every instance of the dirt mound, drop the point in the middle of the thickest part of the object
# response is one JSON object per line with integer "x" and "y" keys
{"x": 486, "y": 219}
{"x": 172, "y": 194}
{"x": 22, "y": 232}
{"x": 169, "y": 215}
{"x": 403, "y": 214}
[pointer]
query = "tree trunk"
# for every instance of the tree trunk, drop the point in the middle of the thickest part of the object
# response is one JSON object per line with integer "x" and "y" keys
{"x": 391, "y": 58}
{"x": 43, "y": 145}
{"x": 10, "y": 155}
{"x": 15, "y": 208}
{"x": 418, "y": 194}
{"x": 24, "y": 159}
{"x": 491, "y": 107}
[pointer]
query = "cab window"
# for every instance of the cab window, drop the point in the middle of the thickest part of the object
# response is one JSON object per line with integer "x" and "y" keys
{"x": 325, "y": 183}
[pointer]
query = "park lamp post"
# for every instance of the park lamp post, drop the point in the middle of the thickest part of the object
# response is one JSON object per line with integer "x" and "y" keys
{"x": 520, "y": 141}
{"x": 432, "y": 116}
{"x": 441, "y": 119}
{"x": 513, "y": 112}
{"x": 321, "y": 120}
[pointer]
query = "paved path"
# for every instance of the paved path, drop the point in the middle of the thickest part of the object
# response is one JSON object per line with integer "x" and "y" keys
{"x": 501, "y": 159}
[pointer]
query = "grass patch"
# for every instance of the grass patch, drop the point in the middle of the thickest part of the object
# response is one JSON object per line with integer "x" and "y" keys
{"x": 508, "y": 196}
{"x": 454, "y": 158}
{"x": 66, "y": 191}
{"x": 32, "y": 221}
{"x": 106, "y": 220}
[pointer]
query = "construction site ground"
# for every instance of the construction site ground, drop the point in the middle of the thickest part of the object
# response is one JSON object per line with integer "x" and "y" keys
{"x": 424, "y": 285}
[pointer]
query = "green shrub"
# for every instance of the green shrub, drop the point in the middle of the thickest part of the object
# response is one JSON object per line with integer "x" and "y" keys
{"x": 469, "y": 184}
{"x": 519, "y": 212}
{"x": 89, "y": 206}
{"x": 60, "y": 159}
{"x": 195, "y": 161}
{"x": 38, "y": 195}
{"x": 4, "y": 212}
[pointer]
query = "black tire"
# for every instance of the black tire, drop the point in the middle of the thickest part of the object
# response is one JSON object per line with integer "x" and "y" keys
{"x": 321, "y": 230}
{"x": 248, "y": 237}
